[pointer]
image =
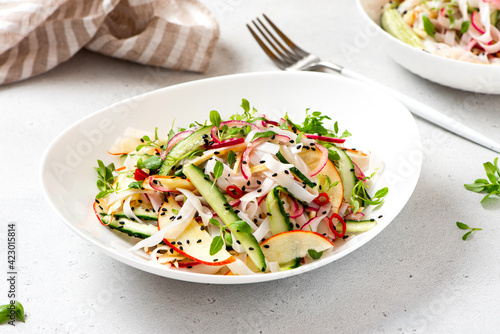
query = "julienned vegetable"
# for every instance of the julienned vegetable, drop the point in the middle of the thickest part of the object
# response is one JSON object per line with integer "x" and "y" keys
{"x": 465, "y": 30}
{"x": 243, "y": 196}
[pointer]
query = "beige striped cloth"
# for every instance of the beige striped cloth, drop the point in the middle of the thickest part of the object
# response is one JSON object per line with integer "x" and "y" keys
{"x": 37, "y": 35}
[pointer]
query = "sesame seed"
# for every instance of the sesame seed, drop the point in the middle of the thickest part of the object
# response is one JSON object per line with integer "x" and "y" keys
{"x": 97, "y": 201}
{"x": 380, "y": 216}
{"x": 142, "y": 140}
{"x": 171, "y": 251}
{"x": 163, "y": 209}
{"x": 181, "y": 248}
{"x": 298, "y": 146}
{"x": 297, "y": 225}
{"x": 202, "y": 228}
{"x": 187, "y": 241}
{"x": 262, "y": 161}
{"x": 312, "y": 144}
{"x": 121, "y": 222}
{"x": 273, "y": 137}
{"x": 155, "y": 181}
{"x": 140, "y": 201}
{"x": 248, "y": 183}
{"x": 372, "y": 220}
{"x": 189, "y": 267}
{"x": 274, "y": 175}
{"x": 291, "y": 141}
{"x": 173, "y": 242}
{"x": 266, "y": 246}
{"x": 259, "y": 190}
{"x": 101, "y": 207}
{"x": 255, "y": 220}
{"x": 179, "y": 217}
{"x": 238, "y": 242}
{"x": 198, "y": 241}
{"x": 179, "y": 243}
{"x": 259, "y": 182}
{"x": 250, "y": 248}
{"x": 147, "y": 210}
{"x": 215, "y": 260}
{"x": 287, "y": 171}
{"x": 269, "y": 214}
{"x": 244, "y": 162}
{"x": 345, "y": 237}
{"x": 216, "y": 152}
{"x": 313, "y": 149}
{"x": 162, "y": 214}
{"x": 324, "y": 212}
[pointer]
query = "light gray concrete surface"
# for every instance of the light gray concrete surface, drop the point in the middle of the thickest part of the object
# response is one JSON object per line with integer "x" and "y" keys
{"x": 417, "y": 276}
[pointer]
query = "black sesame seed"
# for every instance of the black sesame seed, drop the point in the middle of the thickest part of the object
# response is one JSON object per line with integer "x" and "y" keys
{"x": 133, "y": 208}
{"x": 273, "y": 137}
{"x": 274, "y": 175}
{"x": 291, "y": 141}
{"x": 228, "y": 207}
{"x": 171, "y": 250}
{"x": 163, "y": 214}
{"x": 163, "y": 209}
{"x": 243, "y": 188}
{"x": 196, "y": 214}
{"x": 147, "y": 210}
{"x": 142, "y": 140}
{"x": 215, "y": 260}
{"x": 248, "y": 183}
{"x": 250, "y": 248}
{"x": 216, "y": 152}
{"x": 312, "y": 144}
{"x": 352, "y": 169}
{"x": 238, "y": 242}
{"x": 179, "y": 243}
{"x": 313, "y": 149}
{"x": 101, "y": 207}
{"x": 121, "y": 222}
{"x": 298, "y": 146}
{"x": 181, "y": 248}
{"x": 173, "y": 242}
{"x": 140, "y": 201}
{"x": 97, "y": 201}
{"x": 183, "y": 177}
{"x": 345, "y": 237}
{"x": 380, "y": 216}
{"x": 259, "y": 190}
{"x": 324, "y": 212}
{"x": 255, "y": 220}
{"x": 269, "y": 214}
{"x": 187, "y": 241}
{"x": 307, "y": 147}
{"x": 202, "y": 228}
{"x": 189, "y": 267}
{"x": 155, "y": 181}
{"x": 179, "y": 217}
{"x": 297, "y": 225}
{"x": 198, "y": 241}
{"x": 286, "y": 171}
{"x": 121, "y": 226}
{"x": 132, "y": 219}
{"x": 266, "y": 246}
{"x": 259, "y": 182}
{"x": 372, "y": 220}
{"x": 244, "y": 162}
{"x": 166, "y": 200}
{"x": 262, "y": 161}
{"x": 236, "y": 211}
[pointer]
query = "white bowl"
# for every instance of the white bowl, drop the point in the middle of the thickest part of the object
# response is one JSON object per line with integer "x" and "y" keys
{"x": 378, "y": 123}
{"x": 479, "y": 78}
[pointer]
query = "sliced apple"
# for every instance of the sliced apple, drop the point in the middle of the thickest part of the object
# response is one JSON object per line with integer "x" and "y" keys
{"x": 335, "y": 193}
{"x": 359, "y": 158}
{"x": 194, "y": 242}
{"x": 169, "y": 183}
{"x": 286, "y": 247}
{"x": 125, "y": 145}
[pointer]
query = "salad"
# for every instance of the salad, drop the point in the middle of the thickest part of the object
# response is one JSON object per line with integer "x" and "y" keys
{"x": 465, "y": 30}
{"x": 243, "y": 196}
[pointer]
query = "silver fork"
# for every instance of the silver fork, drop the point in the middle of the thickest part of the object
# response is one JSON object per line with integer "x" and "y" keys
{"x": 288, "y": 56}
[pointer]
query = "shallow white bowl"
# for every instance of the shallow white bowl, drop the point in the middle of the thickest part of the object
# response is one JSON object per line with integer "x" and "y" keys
{"x": 378, "y": 123}
{"x": 479, "y": 78}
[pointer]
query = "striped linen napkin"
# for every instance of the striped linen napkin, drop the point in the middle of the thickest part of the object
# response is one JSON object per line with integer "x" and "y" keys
{"x": 37, "y": 35}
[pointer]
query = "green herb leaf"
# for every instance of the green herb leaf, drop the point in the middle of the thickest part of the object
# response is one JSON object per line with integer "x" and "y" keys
{"x": 175, "y": 211}
{"x": 228, "y": 238}
{"x": 5, "y": 312}
{"x": 465, "y": 27}
{"x": 218, "y": 170}
{"x": 242, "y": 226}
{"x": 105, "y": 179}
{"x": 245, "y": 105}
{"x": 214, "y": 221}
{"x": 152, "y": 163}
{"x": 135, "y": 185}
{"x": 463, "y": 226}
{"x": 215, "y": 118}
{"x": 263, "y": 134}
{"x": 231, "y": 158}
{"x": 429, "y": 27}
{"x": 491, "y": 185}
{"x": 216, "y": 245}
{"x": 314, "y": 254}
{"x": 451, "y": 17}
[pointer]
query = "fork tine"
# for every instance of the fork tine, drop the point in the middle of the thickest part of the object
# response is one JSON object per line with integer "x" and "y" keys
{"x": 264, "y": 47}
{"x": 289, "y": 55}
{"x": 285, "y": 38}
{"x": 284, "y": 54}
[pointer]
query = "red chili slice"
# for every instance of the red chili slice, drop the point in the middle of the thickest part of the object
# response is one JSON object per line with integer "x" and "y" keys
{"x": 322, "y": 199}
{"x": 342, "y": 221}
{"x": 140, "y": 175}
{"x": 234, "y": 192}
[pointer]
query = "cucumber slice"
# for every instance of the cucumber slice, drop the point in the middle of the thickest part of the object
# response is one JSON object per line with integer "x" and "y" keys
{"x": 279, "y": 219}
{"x": 345, "y": 167}
{"x": 184, "y": 148}
{"x": 296, "y": 171}
{"x": 140, "y": 211}
{"x": 134, "y": 229}
{"x": 357, "y": 226}
{"x": 220, "y": 205}
{"x": 392, "y": 22}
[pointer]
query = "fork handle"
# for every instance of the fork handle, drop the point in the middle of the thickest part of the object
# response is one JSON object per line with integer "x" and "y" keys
{"x": 425, "y": 112}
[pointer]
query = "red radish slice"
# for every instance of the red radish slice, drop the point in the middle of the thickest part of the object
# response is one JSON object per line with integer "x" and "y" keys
{"x": 245, "y": 168}
{"x": 298, "y": 209}
{"x": 311, "y": 208}
{"x": 215, "y": 137}
{"x": 97, "y": 210}
{"x": 358, "y": 172}
{"x": 323, "y": 161}
{"x": 173, "y": 141}
{"x": 355, "y": 216}
{"x": 235, "y": 203}
{"x": 309, "y": 223}
{"x": 476, "y": 22}
{"x": 227, "y": 142}
{"x": 261, "y": 200}
{"x": 327, "y": 139}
